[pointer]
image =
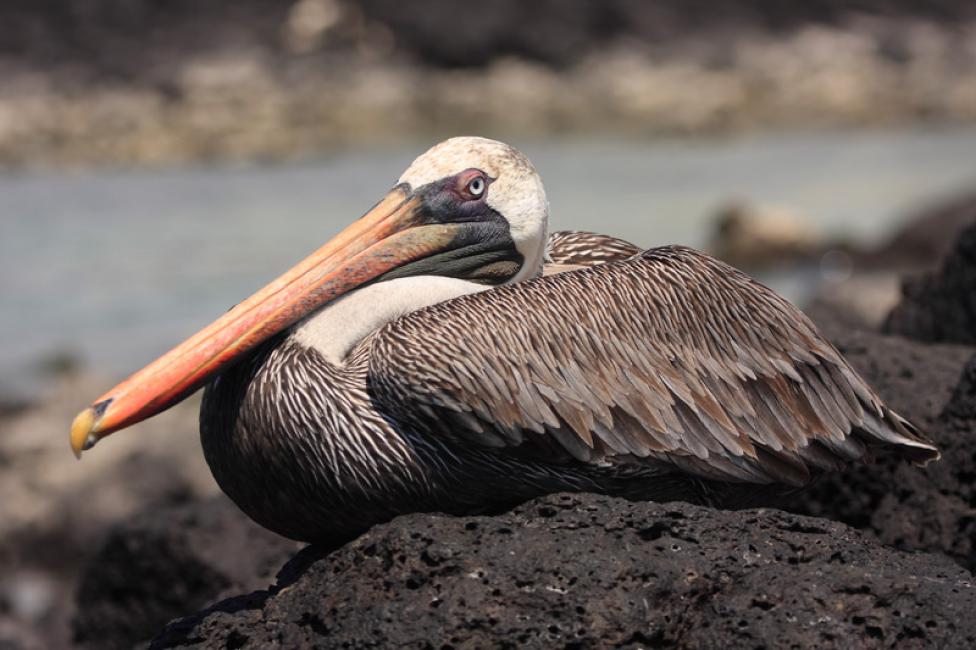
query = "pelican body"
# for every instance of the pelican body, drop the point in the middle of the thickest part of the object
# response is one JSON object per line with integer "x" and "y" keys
{"x": 444, "y": 354}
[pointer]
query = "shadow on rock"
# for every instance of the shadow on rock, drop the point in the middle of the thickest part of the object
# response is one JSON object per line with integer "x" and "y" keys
{"x": 242, "y": 610}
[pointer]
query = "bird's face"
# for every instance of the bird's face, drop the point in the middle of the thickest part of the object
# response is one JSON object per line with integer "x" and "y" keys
{"x": 468, "y": 208}
{"x": 492, "y": 198}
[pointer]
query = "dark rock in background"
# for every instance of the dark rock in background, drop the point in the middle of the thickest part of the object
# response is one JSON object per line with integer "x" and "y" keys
{"x": 561, "y": 32}
{"x": 15, "y": 635}
{"x": 931, "y": 509}
{"x": 590, "y": 571}
{"x": 926, "y": 239}
{"x": 55, "y": 513}
{"x": 863, "y": 296}
{"x": 941, "y": 307}
{"x": 436, "y": 32}
{"x": 167, "y": 562}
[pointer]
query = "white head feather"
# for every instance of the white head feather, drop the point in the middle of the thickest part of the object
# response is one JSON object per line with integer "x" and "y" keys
{"x": 516, "y": 193}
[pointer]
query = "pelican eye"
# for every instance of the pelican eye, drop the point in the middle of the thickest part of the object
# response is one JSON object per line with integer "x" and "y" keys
{"x": 476, "y": 186}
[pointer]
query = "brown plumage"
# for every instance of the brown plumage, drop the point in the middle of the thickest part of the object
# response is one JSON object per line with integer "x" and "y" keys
{"x": 660, "y": 376}
{"x": 671, "y": 356}
{"x": 582, "y": 248}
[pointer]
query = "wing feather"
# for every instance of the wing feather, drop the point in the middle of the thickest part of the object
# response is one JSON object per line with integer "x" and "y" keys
{"x": 669, "y": 356}
{"x": 581, "y": 248}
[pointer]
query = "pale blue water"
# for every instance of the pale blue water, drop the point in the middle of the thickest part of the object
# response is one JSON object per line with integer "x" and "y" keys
{"x": 120, "y": 265}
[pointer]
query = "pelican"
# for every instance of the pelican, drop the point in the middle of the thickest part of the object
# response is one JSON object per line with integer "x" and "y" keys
{"x": 442, "y": 354}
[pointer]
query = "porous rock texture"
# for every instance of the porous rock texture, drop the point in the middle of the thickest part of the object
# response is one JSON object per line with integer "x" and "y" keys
{"x": 941, "y": 306}
{"x": 591, "y": 571}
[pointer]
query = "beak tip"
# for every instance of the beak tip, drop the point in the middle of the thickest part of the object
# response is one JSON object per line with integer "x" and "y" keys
{"x": 83, "y": 435}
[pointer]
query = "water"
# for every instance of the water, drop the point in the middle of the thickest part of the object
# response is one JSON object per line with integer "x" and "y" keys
{"x": 118, "y": 266}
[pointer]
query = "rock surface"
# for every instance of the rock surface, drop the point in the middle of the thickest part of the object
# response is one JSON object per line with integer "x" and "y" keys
{"x": 166, "y": 562}
{"x": 931, "y": 509}
{"x": 941, "y": 306}
{"x": 589, "y": 571}
{"x": 927, "y": 237}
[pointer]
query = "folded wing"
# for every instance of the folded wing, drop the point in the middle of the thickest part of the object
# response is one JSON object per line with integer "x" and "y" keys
{"x": 667, "y": 357}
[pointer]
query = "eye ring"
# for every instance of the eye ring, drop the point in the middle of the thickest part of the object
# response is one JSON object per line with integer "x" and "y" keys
{"x": 476, "y": 186}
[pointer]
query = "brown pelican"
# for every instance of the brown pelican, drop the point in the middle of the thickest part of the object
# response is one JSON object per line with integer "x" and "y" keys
{"x": 422, "y": 361}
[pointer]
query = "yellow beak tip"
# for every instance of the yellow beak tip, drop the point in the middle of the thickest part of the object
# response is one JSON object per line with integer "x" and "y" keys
{"x": 83, "y": 432}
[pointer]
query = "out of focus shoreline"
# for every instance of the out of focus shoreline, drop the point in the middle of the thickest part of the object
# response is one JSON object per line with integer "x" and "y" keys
{"x": 292, "y": 80}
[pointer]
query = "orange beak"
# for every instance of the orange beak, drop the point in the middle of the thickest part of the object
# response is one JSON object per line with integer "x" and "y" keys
{"x": 388, "y": 236}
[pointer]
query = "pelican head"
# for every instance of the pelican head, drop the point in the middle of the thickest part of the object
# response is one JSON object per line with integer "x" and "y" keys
{"x": 482, "y": 181}
{"x": 468, "y": 208}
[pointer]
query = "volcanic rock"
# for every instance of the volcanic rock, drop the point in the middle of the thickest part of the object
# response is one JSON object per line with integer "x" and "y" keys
{"x": 591, "y": 571}
{"x": 911, "y": 508}
{"x": 167, "y": 562}
{"x": 927, "y": 237}
{"x": 941, "y": 306}
{"x": 930, "y": 509}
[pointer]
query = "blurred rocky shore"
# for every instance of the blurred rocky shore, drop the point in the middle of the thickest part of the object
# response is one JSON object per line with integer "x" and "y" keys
{"x": 158, "y": 82}
{"x": 136, "y": 543}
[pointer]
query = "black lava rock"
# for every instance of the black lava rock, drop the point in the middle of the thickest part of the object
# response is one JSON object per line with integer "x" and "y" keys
{"x": 941, "y": 306}
{"x": 590, "y": 571}
{"x": 930, "y": 509}
{"x": 562, "y": 32}
{"x": 926, "y": 239}
{"x": 167, "y": 562}
{"x": 121, "y": 38}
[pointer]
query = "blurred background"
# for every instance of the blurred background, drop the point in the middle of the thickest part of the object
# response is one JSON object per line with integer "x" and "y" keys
{"x": 161, "y": 159}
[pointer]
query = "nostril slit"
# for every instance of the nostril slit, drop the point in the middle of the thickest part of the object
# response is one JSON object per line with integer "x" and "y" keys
{"x": 100, "y": 408}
